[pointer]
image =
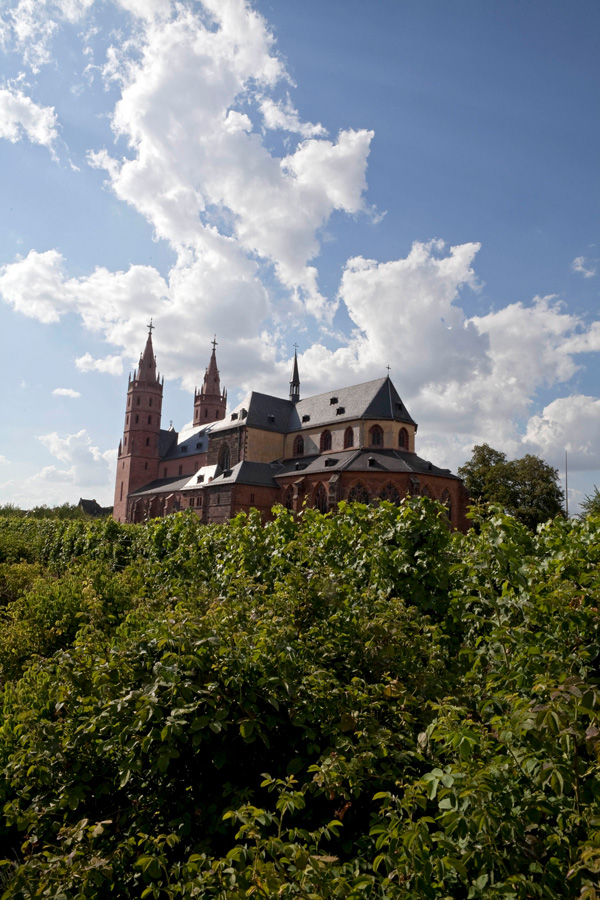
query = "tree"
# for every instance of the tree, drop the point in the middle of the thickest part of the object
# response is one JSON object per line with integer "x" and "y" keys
{"x": 526, "y": 488}
{"x": 590, "y": 505}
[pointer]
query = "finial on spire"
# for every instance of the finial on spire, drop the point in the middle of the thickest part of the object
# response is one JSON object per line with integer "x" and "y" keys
{"x": 150, "y": 328}
{"x": 388, "y": 370}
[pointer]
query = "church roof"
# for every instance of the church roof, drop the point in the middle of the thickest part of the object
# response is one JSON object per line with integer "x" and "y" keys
{"x": 393, "y": 461}
{"x": 187, "y": 442}
{"x": 376, "y": 399}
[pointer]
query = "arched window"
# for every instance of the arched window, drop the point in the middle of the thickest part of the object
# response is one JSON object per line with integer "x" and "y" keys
{"x": 349, "y": 439}
{"x": 426, "y": 491}
{"x": 358, "y": 493}
{"x": 325, "y": 441}
{"x": 299, "y": 446}
{"x": 288, "y": 498}
{"x": 224, "y": 456}
{"x": 376, "y": 436}
{"x": 320, "y": 498}
{"x": 403, "y": 439}
{"x": 447, "y": 501}
{"x": 391, "y": 494}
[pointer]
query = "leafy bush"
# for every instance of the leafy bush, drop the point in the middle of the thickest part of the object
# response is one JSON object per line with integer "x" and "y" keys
{"x": 359, "y": 705}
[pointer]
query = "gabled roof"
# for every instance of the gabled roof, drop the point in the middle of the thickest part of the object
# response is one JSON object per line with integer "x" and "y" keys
{"x": 187, "y": 442}
{"x": 255, "y": 473}
{"x": 258, "y": 411}
{"x": 377, "y": 399}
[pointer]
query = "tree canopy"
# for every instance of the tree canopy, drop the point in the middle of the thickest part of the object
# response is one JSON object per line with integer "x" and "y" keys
{"x": 526, "y": 488}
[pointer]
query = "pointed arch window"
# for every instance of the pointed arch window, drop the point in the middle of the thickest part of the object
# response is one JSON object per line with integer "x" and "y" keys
{"x": 391, "y": 494}
{"x": 349, "y": 439}
{"x": 325, "y": 443}
{"x": 426, "y": 491}
{"x": 447, "y": 501}
{"x": 298, "y": 446}
{"x": 224, "y": 456}
{"x": 403, "y": 439}
{"x": 358, "y": 493}
{"x": 320, "y": 498}
{"x": 376, "y": 436}
{"x": 288, "y": 498}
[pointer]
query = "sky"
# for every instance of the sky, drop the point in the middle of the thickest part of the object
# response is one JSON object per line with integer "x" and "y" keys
{"x": 402, "y": 183}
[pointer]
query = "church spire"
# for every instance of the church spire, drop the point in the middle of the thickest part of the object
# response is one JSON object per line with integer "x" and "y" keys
{"x": 147, "y": 364}
{"x": 210, "y": 402}
{"x": 295, "y": 382}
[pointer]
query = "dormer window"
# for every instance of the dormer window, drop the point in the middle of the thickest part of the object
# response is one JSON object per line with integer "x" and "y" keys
{"x": 199, "y": 479}
{"x": 183, "y": 448}
{"x": 271, "y": 418}
{"x": 306, "y": 418}
{"x": 340, "y": 411}
{"x": 333, "y": 401}
{"x": 234, "y": 415}
{"x": 243, "y": 413}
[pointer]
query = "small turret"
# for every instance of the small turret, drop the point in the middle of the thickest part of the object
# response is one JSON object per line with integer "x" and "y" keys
{"x": 295, "y": 382}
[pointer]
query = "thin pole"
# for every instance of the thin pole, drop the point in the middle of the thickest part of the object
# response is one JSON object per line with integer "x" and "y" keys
{"x": 566, "y": 484}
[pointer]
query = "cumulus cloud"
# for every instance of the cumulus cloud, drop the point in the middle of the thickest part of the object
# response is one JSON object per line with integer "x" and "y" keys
{"x": 66, "y": 392}
{"x": 111, "y": 365}
{"x": 569, "y": 423}
{"x": 83, "y": 464}
{"x": 199, "y": 165}
{"x": 579, "y": 265}
{"x": 21, "y": 117}
{"x": 282, "y": 115}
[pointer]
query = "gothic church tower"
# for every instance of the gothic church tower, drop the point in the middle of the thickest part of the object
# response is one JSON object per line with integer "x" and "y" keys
{"x": 138, "y": 457}
{"x": 210, "y": 403}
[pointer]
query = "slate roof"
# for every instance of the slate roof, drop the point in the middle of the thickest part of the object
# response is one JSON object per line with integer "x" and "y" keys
{"x": 161, "y": 486}
{"x": 377, "y": 399}
{"x": 255, "y": 473}
{"x": 393, "y": 461}
{"x": 187, "y": 442}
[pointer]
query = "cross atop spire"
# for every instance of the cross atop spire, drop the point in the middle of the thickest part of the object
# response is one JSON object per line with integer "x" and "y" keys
{"x": 214, "y": 342}
{"x": 150, "y": 328}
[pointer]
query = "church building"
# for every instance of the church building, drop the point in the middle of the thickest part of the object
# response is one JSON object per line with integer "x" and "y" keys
{"x": 353, "y": 443}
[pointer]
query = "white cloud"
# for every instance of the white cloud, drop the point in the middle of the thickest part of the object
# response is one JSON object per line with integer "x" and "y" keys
{"x": 568, "y": 423}
{"x": 198, "y": 165}
{"x": 20, "y": 116}
{"x": 278, "y": 114}
{"x": 4, "y": 461}
{"x": 83, "y": 471}
{"x": 66, "y": 392}
{"x": 578, "y": 265}
{"x": 111, "y": 365}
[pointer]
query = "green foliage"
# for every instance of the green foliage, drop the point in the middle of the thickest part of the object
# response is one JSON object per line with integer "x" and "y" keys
{"x": 348, "y": 706}
{"x": 590, "y": 505}
{"x": 526, "y": 488}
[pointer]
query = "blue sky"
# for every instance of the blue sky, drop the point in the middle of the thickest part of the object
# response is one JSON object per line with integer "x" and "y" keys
{"x": 404, "y": 183}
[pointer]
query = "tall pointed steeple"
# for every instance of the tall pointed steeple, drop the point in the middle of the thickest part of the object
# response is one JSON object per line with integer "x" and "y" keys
{"x": 295, "y": 382}
{"x": 147, "y": 364}
{"x": 210, "y": 402}
{"x": 138, "y": 455}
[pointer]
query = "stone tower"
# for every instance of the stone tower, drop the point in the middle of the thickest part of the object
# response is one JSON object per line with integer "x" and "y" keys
{"x": 210, "y": 403}
{"x": 138, "y": 457}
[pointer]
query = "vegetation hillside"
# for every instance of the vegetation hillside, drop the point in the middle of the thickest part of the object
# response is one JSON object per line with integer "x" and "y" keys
{"x": 353, "y": 706}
